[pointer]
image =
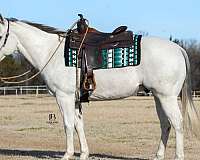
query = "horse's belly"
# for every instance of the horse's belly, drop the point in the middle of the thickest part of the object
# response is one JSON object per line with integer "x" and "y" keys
{"x": 115, "y": 83}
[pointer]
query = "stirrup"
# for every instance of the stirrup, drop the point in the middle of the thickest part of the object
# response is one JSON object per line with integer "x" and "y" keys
{"x": 89, "y": 83}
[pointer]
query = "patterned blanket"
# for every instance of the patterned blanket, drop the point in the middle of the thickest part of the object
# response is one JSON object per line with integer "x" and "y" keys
{"x": 110, "y": 58}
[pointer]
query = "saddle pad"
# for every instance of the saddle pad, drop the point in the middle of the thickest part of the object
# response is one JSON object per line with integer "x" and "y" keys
{"x": 110, "y": 58}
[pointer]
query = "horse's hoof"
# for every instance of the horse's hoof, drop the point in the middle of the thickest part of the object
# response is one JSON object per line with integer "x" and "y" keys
{"x": 84, "y": 156}
{"x": 179, "y": 158}
{"x": 68, "y": 157}
{"x": 158, "y": 158}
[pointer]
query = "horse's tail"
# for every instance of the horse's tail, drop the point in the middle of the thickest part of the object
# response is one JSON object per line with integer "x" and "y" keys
{"x": 190, "y": 112}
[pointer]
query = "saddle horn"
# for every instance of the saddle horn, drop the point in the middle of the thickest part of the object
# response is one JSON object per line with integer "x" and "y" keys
{"x": 81, "y": 24}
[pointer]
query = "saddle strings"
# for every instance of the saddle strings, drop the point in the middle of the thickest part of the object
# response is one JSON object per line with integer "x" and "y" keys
{"x": 5, "y": 79}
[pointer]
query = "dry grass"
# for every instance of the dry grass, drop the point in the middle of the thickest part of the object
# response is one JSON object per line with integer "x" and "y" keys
{"x": 115, "y": 130}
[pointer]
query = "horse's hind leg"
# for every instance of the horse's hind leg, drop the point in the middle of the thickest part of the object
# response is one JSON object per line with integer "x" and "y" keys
{"x": 171, "y": 109}
{"x": 165, "y": 130}
{"x": 79, "y": 126}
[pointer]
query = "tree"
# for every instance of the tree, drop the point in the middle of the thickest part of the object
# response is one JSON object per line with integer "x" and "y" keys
{"x": 16, "y": 65}
{"x": 192, "y": 48}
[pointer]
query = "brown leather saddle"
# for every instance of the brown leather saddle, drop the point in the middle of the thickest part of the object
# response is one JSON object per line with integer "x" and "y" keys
{"x": 94, "y": 42}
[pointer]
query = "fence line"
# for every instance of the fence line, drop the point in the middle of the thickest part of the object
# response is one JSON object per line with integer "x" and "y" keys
{"x": 42, "y": 89}
{"x": 19, "y": 90}
{"x": 195, "y": 94}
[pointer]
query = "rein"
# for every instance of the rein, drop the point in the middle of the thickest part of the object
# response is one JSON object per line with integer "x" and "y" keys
{"x": 6, "y": 79}
{"x": 33, "y": 76}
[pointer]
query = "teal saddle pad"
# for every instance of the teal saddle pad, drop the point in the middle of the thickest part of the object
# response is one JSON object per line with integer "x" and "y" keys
{"x": 110, "y": 58}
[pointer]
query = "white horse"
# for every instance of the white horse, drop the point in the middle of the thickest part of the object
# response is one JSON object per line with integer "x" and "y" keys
{"x": 164, "y": 70}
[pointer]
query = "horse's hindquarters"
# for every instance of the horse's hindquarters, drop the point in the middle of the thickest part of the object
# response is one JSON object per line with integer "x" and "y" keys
{"x": 163, "y": 65}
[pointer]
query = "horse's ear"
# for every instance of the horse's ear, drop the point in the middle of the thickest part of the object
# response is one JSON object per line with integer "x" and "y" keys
{"x": 1, "y": 19}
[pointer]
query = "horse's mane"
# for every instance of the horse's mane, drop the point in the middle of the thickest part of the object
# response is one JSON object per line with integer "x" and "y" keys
{"x": 42, "y": 27}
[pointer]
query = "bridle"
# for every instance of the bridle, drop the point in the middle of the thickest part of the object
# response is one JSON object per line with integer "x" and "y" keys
{"x": 7, "y": 34}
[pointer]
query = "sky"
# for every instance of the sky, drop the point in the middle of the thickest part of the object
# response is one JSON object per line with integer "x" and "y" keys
{"x": 161, "y": 18}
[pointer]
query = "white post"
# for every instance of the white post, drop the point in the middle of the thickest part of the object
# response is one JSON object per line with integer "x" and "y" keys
{"x": 21, "y": 90}
{"x": 4, "y": 91}
{"x": 16, "y": 92}
{"x": 37, "y": 91}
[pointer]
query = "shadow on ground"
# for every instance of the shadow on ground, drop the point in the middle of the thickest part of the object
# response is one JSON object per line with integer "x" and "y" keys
{"x": 57, "y": 154}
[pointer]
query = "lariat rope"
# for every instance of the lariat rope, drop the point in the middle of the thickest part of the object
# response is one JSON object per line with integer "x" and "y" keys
{"x": 5, "y": 79}
{"x": 35, "y": 75}
{"x": 13, "y": 77}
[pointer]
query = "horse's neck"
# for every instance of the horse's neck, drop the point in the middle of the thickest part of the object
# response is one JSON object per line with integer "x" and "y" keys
{"x": 34, "y": 44}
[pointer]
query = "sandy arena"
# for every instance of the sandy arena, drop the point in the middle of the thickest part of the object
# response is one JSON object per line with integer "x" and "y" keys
{"x": 122, "y": 129}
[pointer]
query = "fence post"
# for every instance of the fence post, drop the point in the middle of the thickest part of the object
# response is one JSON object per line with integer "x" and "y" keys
{"x": 37, "y": 90}
{"x": 16, "y": 92}
{"x": 4, "y": 91}
{"x": 21, "y": 90}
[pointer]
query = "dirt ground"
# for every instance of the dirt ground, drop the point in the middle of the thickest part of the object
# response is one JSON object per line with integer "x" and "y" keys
{"x": 120, "y": 129}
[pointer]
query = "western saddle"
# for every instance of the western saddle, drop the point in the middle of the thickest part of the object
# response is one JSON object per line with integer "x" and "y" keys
{"x": 94, "y": 42}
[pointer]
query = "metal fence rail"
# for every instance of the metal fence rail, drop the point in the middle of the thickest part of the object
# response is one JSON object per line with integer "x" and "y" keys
{"x": 195, "y": 94}
{"x": 19, "y": 90}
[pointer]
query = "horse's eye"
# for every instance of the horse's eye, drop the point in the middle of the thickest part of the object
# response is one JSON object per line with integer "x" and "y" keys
{"x": 0, "y": 37}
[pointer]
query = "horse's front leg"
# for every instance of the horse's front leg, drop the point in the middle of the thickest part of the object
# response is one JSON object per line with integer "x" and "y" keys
{"x": 79, "y": 126}
{"x": 67, "y": 108}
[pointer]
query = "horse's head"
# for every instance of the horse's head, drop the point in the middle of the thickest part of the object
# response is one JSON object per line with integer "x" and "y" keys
{"x": 8, "y": 41}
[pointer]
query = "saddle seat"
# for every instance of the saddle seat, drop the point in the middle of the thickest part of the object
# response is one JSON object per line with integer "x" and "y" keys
{"x": 119, "y": 37}
{"x": 118, "y": 30}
